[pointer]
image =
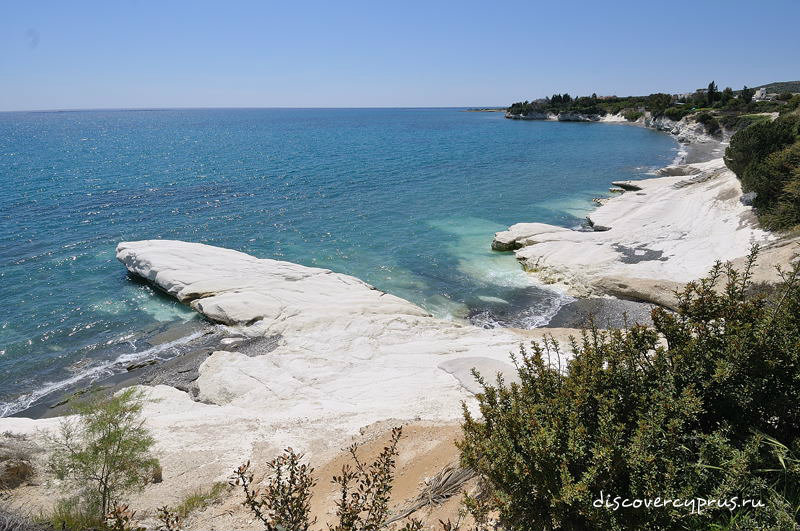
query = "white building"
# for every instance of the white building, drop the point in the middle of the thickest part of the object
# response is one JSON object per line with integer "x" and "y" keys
{"x": 760, "y": 95}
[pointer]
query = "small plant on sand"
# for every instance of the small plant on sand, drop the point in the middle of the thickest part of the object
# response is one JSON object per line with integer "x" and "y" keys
{"x": 70, "y": 514}
{"x": 104, "y": 453}
{"x": 170, "y": 520}
{"x": 363, "y": 503}
{"x": 284, "y": 505}
{"x": 120, "y": 518}
{"x": 200, "y": 498}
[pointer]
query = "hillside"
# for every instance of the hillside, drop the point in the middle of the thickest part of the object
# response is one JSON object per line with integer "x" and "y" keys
{"x": 781, "y": 86}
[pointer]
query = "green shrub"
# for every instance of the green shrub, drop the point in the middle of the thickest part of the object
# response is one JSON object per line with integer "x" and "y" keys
{"x": 632, "y": 115}
{"x": 778, "y": 179}
{"x": 681, "y": 409}
{"x": 71, "y": 514}
{"x": 735, "y": 122}
{"x": 709, "y": 122}
{"x": 105, "y": 452}
{"x": 754, "y": 143}
{"x": 286, "y": 502}
{"x": 766, "y": 158}
{"x": 200, "y": 498}
{"x": 676, "y": 113}
{"x": 791, "y": 105}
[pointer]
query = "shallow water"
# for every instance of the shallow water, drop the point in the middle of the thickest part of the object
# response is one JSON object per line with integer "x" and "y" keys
{"x": 405, "y": 199}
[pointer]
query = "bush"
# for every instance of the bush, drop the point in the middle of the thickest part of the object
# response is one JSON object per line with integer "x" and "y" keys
{"x": 676, "y": 113}
{"x": 105, "y": 453}
{"x": 363, "y": 503}
{"x": 686, "y": 408}
{"x": 71, "y": 514}
{"x": 735, "y": 122}
{"x": 710, "y": 123}
{"x": 200, "y": 498}
{"x": 754, "y": 143}
{"x": 766, "y": 158}
{"x": 16, "y": 455}
{"x": 632, "y": 115}
{"x": 791, "y": 105}
{"x": 776, "y": 180}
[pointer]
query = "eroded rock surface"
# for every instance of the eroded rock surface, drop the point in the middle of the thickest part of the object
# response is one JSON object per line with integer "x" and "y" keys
{"x": 667, "y": 233}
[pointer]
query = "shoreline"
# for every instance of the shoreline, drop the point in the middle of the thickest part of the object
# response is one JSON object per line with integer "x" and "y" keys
{"x": 149, "y": 370}
{"x": 301, "y": 350}
{"x": 323, "y": 356}
{"x": 651, "y": 237}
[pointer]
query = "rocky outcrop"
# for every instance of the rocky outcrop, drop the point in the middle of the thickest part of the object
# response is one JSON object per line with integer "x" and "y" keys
{"x": 669, "y": 232}
{"x": 346, "y": 355}
{"x": 686, "y": 130}
{"x": 234, "y": 288}
{"x": 577, "y": 117}
{"x": 628, "y": 186}
{"x": 326, "y": 321}
{"x": 656, "y": 291}
{"x": 531, "y": 116}
{"x": 564, "y": 117}
{"x": 522, "y": 234}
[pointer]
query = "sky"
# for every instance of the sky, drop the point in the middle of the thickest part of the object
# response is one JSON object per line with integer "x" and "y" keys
{"x": 163, "y": 54}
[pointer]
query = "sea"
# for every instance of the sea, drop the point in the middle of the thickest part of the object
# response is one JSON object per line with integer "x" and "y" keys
{"x": 405, "y": 199}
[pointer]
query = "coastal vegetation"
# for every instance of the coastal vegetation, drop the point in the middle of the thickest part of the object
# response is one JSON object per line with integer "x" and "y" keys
{"x": 766, "y": 157}
{"x": 200, "y": 498}
{"x": 364, "y": 491}
{"x": 714, "y": 108}
{"x": 703, "y": 404}
{"x": 101, "y": 455}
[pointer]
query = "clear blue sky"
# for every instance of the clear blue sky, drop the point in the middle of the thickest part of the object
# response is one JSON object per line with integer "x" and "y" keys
{"x": 124, "y": 54}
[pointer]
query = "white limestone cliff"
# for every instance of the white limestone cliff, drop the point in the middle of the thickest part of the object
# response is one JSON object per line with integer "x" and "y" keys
{"x": 664, "y": 235}
{"x": 348, "y": 355}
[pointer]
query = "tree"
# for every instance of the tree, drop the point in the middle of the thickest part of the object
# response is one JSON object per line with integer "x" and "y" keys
{"x": 726, "y": 96}
{"x": 106, "y": 451}
{"x": 566, "y": 98}
{"x": 747, "y": 94}
{"x": 712, "y": 94}
{"x": 658, "y": 103}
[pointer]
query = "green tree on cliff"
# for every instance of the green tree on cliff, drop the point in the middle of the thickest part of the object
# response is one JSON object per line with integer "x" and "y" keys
{"x": 747, "y": 94}
{"x": 105, "y": 452}
{"x": 712, "y": 94}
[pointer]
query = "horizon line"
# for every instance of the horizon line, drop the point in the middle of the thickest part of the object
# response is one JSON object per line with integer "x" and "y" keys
{"x": 123, "y": 109}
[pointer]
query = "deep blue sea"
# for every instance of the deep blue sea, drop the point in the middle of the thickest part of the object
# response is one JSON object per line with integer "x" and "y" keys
{"x": 405, "y": 199}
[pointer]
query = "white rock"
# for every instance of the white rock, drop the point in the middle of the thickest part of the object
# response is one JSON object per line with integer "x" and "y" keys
{"x": 671, "y": 231}
{"x": 349, "y": 355}
{"x": 522, "y": 234}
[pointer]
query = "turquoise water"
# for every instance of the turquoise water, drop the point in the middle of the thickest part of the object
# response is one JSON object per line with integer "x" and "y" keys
{"x": 406, "y": 199}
